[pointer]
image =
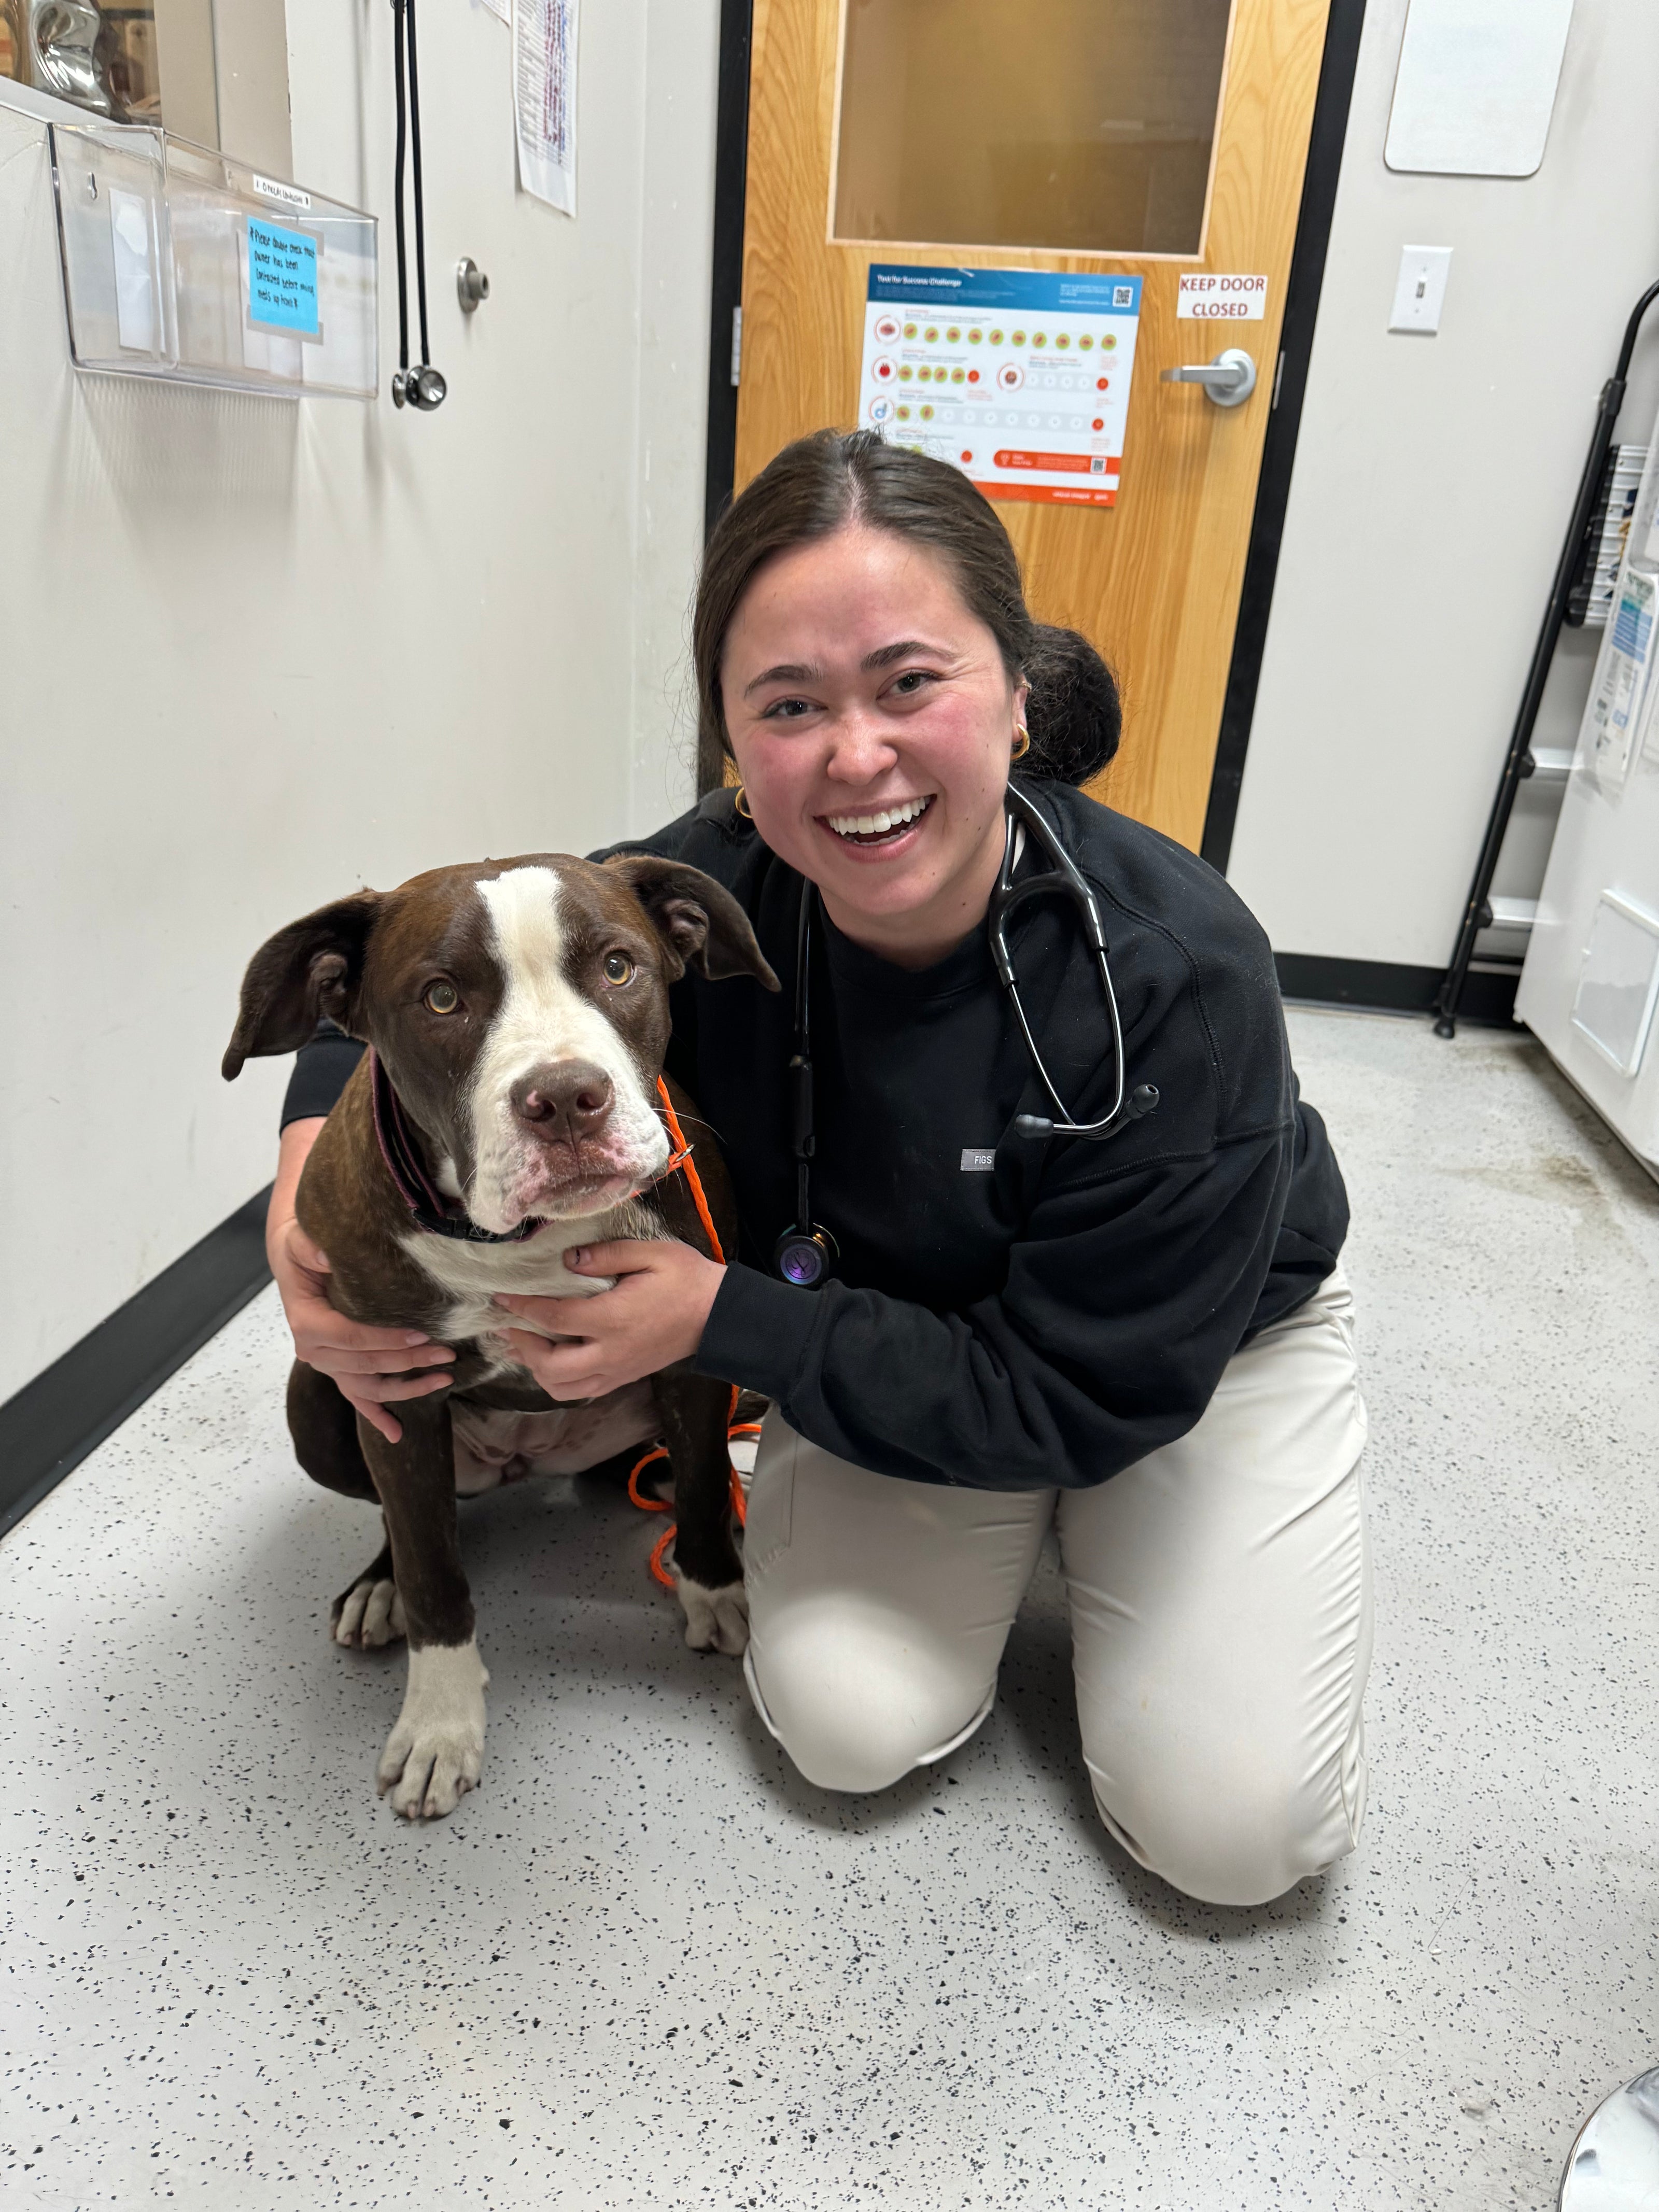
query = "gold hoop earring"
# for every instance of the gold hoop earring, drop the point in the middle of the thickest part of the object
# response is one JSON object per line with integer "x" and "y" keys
{"x": 1022, "y": 742}
{"x": 741, "y": 804}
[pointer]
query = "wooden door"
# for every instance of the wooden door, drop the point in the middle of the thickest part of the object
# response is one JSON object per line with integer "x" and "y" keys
{"x": 1154, "y": 579}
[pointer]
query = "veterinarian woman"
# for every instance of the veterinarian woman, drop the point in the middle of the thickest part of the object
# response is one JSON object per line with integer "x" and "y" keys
{"x": 1145, "y": 1341}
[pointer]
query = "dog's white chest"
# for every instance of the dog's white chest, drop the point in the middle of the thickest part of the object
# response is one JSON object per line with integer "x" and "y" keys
{"x": 474, "y": 1275}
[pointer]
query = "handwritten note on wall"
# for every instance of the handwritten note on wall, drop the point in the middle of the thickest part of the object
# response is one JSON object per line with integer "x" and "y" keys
{"x": 282, "y": 279}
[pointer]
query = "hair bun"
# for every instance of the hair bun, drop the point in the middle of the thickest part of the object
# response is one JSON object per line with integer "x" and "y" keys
{"x": 1073, "y": 712}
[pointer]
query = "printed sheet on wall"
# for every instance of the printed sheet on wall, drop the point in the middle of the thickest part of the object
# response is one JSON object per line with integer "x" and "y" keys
{"x": 1018, "y": 377}
{"x": 544, "y": 99}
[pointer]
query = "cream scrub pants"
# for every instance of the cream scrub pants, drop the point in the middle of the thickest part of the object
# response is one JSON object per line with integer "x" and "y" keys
{"x": 1221, "y": 1618}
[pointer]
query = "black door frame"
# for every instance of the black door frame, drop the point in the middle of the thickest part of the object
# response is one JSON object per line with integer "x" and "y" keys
{"x": 731, "y": 180}
{"x": 1313, "y": 233}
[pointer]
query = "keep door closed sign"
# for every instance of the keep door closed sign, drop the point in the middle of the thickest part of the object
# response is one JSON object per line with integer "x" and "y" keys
{"x": 1223, "y": 299}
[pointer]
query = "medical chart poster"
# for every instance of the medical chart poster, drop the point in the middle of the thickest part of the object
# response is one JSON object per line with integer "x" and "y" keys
{"x": 1018, "y": 377}
{"x": 544, "y": 99}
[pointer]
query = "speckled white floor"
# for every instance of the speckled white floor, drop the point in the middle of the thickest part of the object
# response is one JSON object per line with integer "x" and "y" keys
{"x": 647, "y": 1966}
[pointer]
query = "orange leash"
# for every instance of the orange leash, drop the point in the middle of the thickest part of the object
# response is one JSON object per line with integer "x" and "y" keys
{"x": 681, "y": 1161}
{"x": 739, "y": 1503}
{"x": 682, "y": 1158}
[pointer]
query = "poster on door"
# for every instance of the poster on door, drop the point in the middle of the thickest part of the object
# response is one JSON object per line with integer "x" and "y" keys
{"x": 1018, "y": 377}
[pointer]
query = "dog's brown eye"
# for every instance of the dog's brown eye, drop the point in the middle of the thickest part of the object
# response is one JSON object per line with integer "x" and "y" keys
{"x": 618, "y": 967}
{"x": 440, "y": 998}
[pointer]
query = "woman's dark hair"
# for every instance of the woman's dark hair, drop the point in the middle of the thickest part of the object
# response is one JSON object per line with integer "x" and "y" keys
{"x": 820, "y": 484}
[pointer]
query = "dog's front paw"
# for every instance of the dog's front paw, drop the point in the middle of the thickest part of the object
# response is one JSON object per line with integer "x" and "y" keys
{"x": 369, "y": 1614}
{"x": 435, "y": 1754}
{"x": 715, "y": 1619}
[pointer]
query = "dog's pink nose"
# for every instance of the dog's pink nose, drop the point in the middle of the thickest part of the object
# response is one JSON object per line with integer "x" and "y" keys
{"x": 567, "y": 1098}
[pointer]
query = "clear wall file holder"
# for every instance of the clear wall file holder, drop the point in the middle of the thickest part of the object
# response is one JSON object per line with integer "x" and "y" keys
{"x": 183, "y": 264}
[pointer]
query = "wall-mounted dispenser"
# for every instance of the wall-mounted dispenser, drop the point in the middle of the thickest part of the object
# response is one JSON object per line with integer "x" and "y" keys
{"x": 184, "y": 263}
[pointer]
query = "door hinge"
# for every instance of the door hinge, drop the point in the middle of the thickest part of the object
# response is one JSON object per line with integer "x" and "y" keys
{"x": 737, "y": 347}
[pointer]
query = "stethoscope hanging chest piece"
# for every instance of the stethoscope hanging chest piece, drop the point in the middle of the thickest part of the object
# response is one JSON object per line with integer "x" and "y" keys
{"x": 805, "y": 1253}
{"x": 805, "y": 1256}
{"x": 421, "y": 388}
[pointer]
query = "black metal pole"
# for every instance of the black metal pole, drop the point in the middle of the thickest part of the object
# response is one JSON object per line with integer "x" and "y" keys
{"x": 1517, "y": 761}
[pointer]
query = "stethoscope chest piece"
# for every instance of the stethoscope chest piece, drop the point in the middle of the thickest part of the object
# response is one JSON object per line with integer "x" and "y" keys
{"x": 805, "y": 1256}
{"x": 424, "y": 388}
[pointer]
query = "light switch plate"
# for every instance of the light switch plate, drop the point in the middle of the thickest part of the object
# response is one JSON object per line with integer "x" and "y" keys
{"x": 1419, "y": 292}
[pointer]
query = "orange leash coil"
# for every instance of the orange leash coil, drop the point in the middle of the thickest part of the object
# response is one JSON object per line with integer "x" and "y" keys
{"x": 636, "y": 1496}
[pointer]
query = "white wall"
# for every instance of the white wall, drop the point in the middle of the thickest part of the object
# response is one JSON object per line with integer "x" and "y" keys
{"x": 1432, "y": 485}
{"x": 256, "y": 654}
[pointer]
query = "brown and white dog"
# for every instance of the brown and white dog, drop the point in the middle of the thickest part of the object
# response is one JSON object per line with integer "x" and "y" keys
{"x": 517, "y": 1013}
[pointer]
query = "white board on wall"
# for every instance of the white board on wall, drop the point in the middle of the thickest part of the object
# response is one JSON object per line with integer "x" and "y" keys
{"x": 1476, "y": 86}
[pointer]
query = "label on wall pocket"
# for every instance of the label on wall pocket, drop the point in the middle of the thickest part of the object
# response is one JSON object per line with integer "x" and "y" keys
{"x": 1222, "y": 299}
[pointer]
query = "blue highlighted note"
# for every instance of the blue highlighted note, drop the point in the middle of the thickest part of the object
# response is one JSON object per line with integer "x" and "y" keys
{"x": 282, "y": 278}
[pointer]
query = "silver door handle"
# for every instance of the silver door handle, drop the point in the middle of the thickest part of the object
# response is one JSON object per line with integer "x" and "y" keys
{"x": 1228, "y": 379}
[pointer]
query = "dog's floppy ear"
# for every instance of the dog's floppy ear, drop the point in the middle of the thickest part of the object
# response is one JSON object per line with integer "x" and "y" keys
{"x": 697, "y": 919}
{"x": 310, "y": 968}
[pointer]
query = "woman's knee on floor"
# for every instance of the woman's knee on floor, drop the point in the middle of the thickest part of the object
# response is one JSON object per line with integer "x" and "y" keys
{"x": 1237, "y": 1829}
{"x": 857, "y": 1697}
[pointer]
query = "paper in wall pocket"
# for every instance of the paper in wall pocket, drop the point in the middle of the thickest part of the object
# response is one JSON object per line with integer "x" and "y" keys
{"x": 282, "y": 280}
{"x": 1621, "y": 681}
{"x": 131, "y": 242}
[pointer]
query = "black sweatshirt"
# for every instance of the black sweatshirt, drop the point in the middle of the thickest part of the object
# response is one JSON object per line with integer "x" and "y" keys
{"x": 1052, "y": 1320}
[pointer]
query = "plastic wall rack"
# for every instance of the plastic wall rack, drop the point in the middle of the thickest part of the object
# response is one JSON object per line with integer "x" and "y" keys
{"x": 183, "y": 264}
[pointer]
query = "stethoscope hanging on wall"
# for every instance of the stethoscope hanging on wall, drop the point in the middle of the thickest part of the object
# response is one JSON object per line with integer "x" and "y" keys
{"x": 422, "y": 387}
{"x": 805, "y": 1252}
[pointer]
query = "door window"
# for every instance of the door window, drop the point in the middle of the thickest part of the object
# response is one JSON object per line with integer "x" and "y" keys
{"x": 1082, "y": 127}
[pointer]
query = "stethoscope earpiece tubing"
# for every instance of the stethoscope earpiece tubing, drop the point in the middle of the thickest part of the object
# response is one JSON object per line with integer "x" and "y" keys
{"x": 1062, "y": 874}
{"x": 1141, "y": 1100}
{"x": 804, "y": 1253}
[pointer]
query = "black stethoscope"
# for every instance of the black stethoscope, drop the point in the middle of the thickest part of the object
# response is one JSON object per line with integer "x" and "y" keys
{"x": 424, "y": 387}
{"x": 806, "y": 1251}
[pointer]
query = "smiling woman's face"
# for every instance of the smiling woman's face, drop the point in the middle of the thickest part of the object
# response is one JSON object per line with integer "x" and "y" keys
{"x": 872, "y": 722}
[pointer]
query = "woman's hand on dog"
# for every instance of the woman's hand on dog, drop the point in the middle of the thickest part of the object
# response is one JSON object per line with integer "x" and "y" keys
{"x": 372, "y": 1366}
{"x": 656, "y": 1314}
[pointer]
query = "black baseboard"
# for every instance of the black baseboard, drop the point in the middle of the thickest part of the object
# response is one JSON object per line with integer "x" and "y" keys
{"x": 1390, "y": 986}
{"x": 54, "y": 1421}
